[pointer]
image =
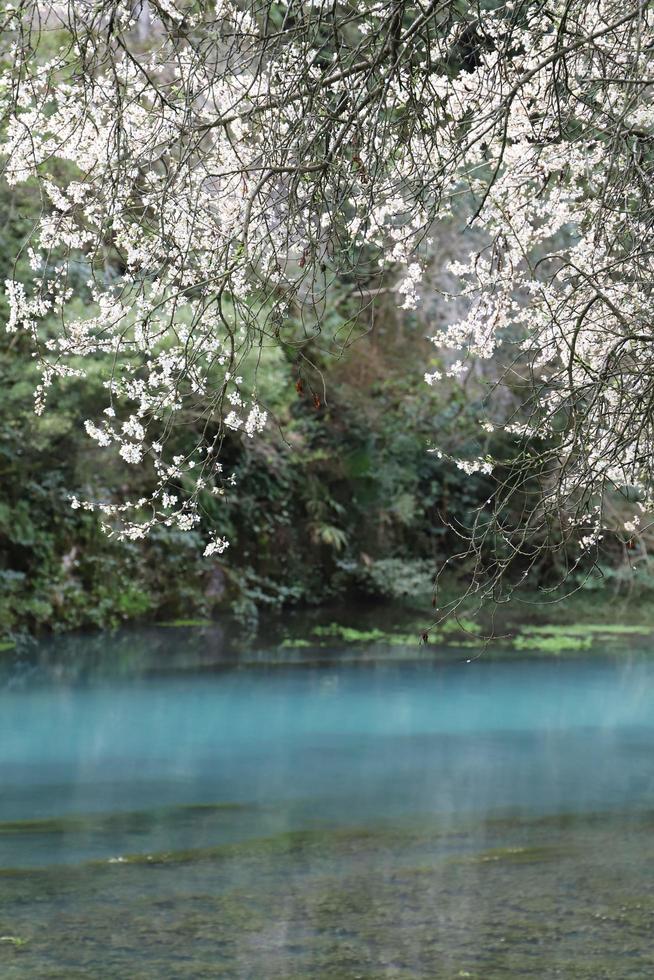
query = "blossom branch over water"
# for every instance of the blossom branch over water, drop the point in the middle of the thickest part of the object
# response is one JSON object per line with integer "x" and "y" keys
{"x": 209, "y": 170}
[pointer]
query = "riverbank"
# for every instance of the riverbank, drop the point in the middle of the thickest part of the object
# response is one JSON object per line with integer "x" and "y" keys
{"x": 572, "y": 626}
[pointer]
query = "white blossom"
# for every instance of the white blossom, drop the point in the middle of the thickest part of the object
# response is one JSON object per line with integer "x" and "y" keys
{"x": 216, "y": 546}
{"x": 131, "y": 452}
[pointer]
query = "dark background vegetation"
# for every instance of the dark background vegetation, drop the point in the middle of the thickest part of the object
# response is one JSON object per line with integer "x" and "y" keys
{"x": 332, "y": 499}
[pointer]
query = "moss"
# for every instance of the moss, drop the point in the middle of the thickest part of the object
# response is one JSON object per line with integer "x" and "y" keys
{"x": 6, "y": 645}
{"x": 573, "y": 637}
{"x": 349, "y": 634}
{"x": 559, "y": 643}
{"x": 174, "y": 623}
{"x": 588, "y": 629}
{"x": 402, "y": 639}
{"x": 450, "y": 633}
{"x": 466, "y": 634}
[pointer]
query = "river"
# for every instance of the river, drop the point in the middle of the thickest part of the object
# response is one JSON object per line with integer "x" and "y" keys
{"x": 172, "y": 808}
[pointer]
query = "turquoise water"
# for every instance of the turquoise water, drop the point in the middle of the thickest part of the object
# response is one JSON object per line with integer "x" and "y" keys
{"x": 169, "y": 808}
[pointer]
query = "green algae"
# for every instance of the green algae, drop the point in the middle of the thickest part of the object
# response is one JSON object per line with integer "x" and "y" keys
{"x": 353, "y": 636}
{"x": 556, "y": 644}
{"x": 466, "y": 634}
{"x": 447, "y": 638}
{"x": 349, "y": 634}
{"x": 119, "y": 821}
{"x": 556, "y": 639}
{"x": 179, "y": 623}
{"x": 450, "y": 632}
{"x": 588, "y": 629}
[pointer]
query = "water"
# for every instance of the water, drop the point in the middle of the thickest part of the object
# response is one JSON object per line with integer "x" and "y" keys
{"x": 170, "y": 808}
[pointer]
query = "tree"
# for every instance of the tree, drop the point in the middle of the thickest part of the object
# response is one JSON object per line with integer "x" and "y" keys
{"x": 207, "y": 169}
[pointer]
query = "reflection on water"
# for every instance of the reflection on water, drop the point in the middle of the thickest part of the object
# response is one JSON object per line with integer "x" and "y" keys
{"x": 169, "y": 809}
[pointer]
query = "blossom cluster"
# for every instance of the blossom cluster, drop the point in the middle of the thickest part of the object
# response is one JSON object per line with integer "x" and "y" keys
{"x": 561, "y": 291}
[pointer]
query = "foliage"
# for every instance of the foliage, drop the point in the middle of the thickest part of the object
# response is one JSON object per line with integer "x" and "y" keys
{"x": 393, "y": 578}
{"x": 332, "y": 500}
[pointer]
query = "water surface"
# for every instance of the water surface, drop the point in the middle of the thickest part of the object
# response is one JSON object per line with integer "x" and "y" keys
{"x": 172, "y": 808}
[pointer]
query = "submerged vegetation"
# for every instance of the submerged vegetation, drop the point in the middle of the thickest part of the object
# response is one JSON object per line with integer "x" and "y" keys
{"x": 367, "y": 902}
{"x": 465, "y": 634}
